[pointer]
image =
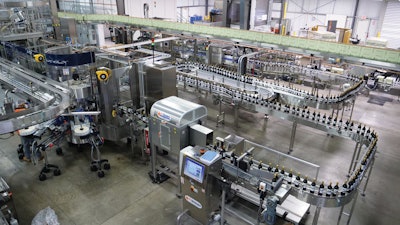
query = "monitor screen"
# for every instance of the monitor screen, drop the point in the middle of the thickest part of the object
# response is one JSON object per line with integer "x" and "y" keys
{"x": 194, "y": 170}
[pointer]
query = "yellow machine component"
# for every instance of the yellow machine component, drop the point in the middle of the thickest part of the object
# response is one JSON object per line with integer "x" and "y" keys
{"x": 314, "y": 28}
{"x": 113, "y": 113}
{"x": 347, "y": 36}
{"x": 38, "y": 57}
{"x": 103, "y": 74}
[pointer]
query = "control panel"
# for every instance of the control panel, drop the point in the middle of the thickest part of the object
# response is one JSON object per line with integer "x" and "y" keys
{"x": 199, "y": 184}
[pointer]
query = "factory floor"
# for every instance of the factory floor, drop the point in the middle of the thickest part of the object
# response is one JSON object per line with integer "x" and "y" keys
{"x": 126, "y": 195}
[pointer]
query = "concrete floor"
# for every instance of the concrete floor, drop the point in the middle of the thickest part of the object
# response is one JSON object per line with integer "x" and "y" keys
{"x": 126, "y": 195}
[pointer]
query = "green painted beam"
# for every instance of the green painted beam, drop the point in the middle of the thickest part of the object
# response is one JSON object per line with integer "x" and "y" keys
{"x": 378, "y": 54}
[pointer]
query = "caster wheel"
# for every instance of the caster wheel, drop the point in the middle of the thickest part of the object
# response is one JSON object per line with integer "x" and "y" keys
{"x": 42, "y": 177}
{"x": 93, "y": 168}
{"x": 20, "y": 149}
{"x": 57, "y": 172}
{"x": 20, "y": 156}
{"x": 107, "y": 166}
{"x": 59, "y": 151}
{"x": 45, "y": 170}
{"x": 100, "y": 174}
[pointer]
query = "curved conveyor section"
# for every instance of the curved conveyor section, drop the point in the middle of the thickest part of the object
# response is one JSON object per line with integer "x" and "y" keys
{"x": 303, "y": 189}
{"x": 53, "y": 98}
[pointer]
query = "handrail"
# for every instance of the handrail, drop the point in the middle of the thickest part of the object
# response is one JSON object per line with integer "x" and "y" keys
{"x": 363, "y": 52}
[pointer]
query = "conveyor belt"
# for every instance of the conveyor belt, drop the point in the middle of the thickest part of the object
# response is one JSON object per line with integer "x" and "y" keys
{"x": 232, "y": 81}
{"x": 244, "y": 92}
{"x": 291, "y": 68}
{"x": 14, "y": 81}
{"x": 53, "y": 96}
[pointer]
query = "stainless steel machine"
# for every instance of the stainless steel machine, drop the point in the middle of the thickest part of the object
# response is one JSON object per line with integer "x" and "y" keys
{"x": 8, "y": 213}
{"x": 129, "y": 82}
{"x": 159, "y": 79}
{"x": 199, "y": 184}
{"x": 272, "y": 190}
{"x": 171, "y": 124}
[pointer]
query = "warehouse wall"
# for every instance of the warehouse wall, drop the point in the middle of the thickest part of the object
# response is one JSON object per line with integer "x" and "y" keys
{"x": 157, "y": 8}
{"x": 390, "y": 26}
{"x": 189, "y": 8}
{"x": 309, "y": 13}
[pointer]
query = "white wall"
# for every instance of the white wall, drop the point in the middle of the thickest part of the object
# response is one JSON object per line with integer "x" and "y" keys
{"x": 309, "y": 13}
{"x": 157, "y": 8}
{"x": 390, "y": 26}
{"x": 188, "y": 8}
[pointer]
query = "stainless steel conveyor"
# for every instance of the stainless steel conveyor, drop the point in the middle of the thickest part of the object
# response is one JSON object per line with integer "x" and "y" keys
{"x": 52, "y": 96}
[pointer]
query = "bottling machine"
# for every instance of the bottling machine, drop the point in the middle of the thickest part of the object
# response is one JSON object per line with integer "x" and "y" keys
{"x": 174, "y": 123}
{"x": 112, "y": 94}
{"x": 199, "y": 184}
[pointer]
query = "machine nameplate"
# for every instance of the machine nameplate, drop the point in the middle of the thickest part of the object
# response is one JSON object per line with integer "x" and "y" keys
{"x": 193, "y": 201}
{"x": 164, "y": 116}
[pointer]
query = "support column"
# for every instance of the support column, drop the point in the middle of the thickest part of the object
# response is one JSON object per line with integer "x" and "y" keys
{"x": 343, "y": 107}
{"x": 120, "y": 7}
{"x": 56, "y": 21}
{"x": 293, "y": 135}
{"x": 269, "y": 11}
{"x": 352, "y": 108}
{"x": 352, "y": 158}
{"x": 266, "y": 118}
{"x": 368, "y": 176}
{"x": 236, "y": 114}
{"x": 316, "y": 215}
{"x": 206, "y": 6}
{"x": 223, "y": 205}
{"x": 282, "y": 27}
{"x": 195, "y": 50}
{"x": 153, "y": 161}
{"x": 340, "y": 215}
{"x": 244, "y": 14}
{"x": 354, "y": 18}
{"x": 358, "y": 153}
{"x": 221, "y": 114}
{"x": 100, "y": 39}
{"x": 226, "y": 11}
{"x": 352, "y": 207}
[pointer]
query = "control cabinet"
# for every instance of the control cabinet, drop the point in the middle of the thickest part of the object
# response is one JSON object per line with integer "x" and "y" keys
{"x": 199, "y": 184}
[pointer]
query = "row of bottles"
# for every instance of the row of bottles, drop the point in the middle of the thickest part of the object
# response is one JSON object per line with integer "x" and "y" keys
{"x": 250, "y": 80}
{"x": 305, "y": 113}
{"x": 302, "y": 183}
{"x": 305, "y": 185}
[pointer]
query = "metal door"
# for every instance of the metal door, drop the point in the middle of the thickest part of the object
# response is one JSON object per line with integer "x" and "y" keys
{"x": 165, "y": 137}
